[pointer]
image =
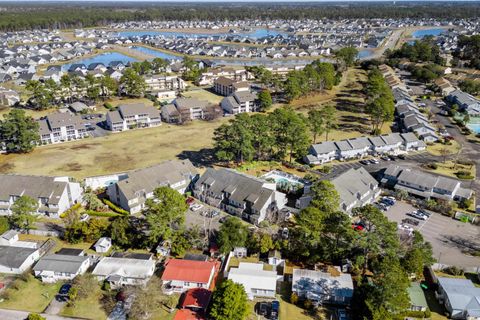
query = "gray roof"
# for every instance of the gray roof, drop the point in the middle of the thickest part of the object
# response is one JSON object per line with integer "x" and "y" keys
{"x": 244, "y": 96}
{"x": 14, "y": 257}
{"x": 9, "y": 234}
{"x": 351, "y": 182}
{"x": 115, "y": 116}
{"x": 57, "y": 120}
{"x": 33, "y": 186}
{"x": 343, "y": 145}
{"x": 325, "y": 147}
{"x": 462, "y": 293}
{"x": 187, "y": 103}
{"x": 464, "y": 98}
{"x": 133, "y": 109}
{"x": 322, "y": 283}
{"x": 164, "y": 174}
{"x": 409, "y": 137}
{"x": 359, "y": 143}
{"x": 60, "y": 263}
{"x": 241, "y": 187}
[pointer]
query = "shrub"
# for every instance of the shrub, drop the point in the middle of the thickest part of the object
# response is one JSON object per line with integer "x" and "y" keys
{"x": 326, "y": 169}
{"x": 294, "y": 298}
{"x": 465, "y": 175}
{"x": 432, "y": 166}
{"x": 75, "y": 207}
{"x": 465, "y": 203}
{"x": 454, "y": 271}
{"x": 307, "y": 304}
{"x": 106, "y": 286}
{"x": 35, "y": 316}
{"x": 102, "y": 214}
{"x": 115, "y": 208}
{"x": 108, "y": 105}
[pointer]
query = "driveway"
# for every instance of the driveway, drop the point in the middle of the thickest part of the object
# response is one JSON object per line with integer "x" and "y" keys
{"x": 55, "y": 306}
{"x": 20, "y": 315}
{"x": 449, "y": 237}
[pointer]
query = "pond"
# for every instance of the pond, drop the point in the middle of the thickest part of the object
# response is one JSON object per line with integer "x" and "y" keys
{"x": 364, "y": 54}
{"x": 156, "y": 53}
{"x": 428, "y": 32}
{"x": 105, "y": 58}
{"x": 475, "y": 127}
{"x": 254, "y": 34}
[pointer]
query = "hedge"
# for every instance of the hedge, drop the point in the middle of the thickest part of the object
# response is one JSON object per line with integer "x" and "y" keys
{"x": 102, "y": 214}
{"x": 76, "y": 206}
{"x": 115, "y": 208}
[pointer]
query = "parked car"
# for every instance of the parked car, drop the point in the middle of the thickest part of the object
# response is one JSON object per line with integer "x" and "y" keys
{"x": 388, "y": 200}
{"x": 365, "y": 162}
{"x": 358, "y": 227}
{"x": 196, "y": 207}
{"x": 424, "y": 212}
{"x": 411, "y": 221}
{"x": 392, "y": 157}
{"x": 84, "y": 217}
{"x": 417, "y": 215}
{"x": 405, "y": 227}
{"x": 275, "y": 310}
{"x": 385, "y": 158}
{"x": 402, "y": 156}
{"x": 263, "y": 309}
{"x": 374, "y": 161}
{"x": 341, "y": 314}
{"x": 285, "y": 233}
{"x": 64, "y": 289}
{"x": 190, "y": 201}
{"x": 214, "y": 213}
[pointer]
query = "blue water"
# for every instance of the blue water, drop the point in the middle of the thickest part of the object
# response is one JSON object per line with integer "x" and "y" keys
{"x": 104, "y": 58}
{"x": 428, "y": 32}
{"x": 362, "y": 54}
{"x": 156, "y": 53}
{"x": 255, "y": 34}
{"x": 475, "y": 127}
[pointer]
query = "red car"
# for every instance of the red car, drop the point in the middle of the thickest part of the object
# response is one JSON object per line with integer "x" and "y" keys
{"x": 190, "y": 200}
{"x": 357, "y": 227}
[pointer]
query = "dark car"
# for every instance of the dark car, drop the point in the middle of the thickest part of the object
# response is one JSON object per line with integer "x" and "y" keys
{"x": 424, "y": 212}
{"x": 275, "y": 310}
{"x": 64, "y": 289}
{"x": 392, "y": 158}
{"x": 365, "y": 162}
{"x": 263, "y": 309}
{"x": 402, "y": 156}
{"x": 411, "y": 221}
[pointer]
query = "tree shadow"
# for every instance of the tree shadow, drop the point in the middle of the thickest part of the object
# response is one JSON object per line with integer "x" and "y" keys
{"x": 201, "y": 158}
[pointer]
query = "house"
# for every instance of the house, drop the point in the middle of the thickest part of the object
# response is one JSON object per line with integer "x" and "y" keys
{"x": 181, "y": 275}
{"x": 424, "y": 184}
{"x": 196, "y": 299}
{"x": 225, "y": 86}
{"x": 329, "y": 286}
{"x": 170, "y": 114}
{"x": 418, "y": 302}
{"x": 119, "y": 271}
{"x": 8, "y": 238}
{"x": 444, "y": 86}
{"x": 258, "y": 283}
{"x": 8, "y": 97}
{"x": 60, "y": 127}
{"x": 17, "y": 260}
{"x": 466, "y": 102}
{"x": 78, "y": 107}
{"x": 191, "y": 108}
{"x": 133, "y": 189}
{"x": 165, "y": 95}
{"x": 59, "y": 267}
{"x": 103, "y": 245}
{"x": 240, "y": 101}
{"x": 241, "y": 195}
{"x": 54, "y": 195}
{"x": 460, "y": 297}
{"x": 131, "y": 116}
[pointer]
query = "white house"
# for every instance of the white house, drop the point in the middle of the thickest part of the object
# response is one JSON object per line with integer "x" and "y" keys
{"x": 256, "y": 281}
{"x": 119, "y": 272}
{"x": 103, "y": 245}
{"x": 59, "y": 267}
{"x": 16, "y": 260}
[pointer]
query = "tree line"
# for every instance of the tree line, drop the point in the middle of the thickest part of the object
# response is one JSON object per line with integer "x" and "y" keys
{"x": 280, "y": 134}
{"x": 424, "y": 50}
{"x": 80, "y": 15}
{"x": 380, "y": 101}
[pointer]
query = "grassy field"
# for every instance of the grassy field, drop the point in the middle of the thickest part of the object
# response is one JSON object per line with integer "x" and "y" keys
{"x": 116, "y": 152}
{"x": 202, "y": 94}
{"x": 449, "y": 168}
{"x": 89, "y": 308}
{"x": 437, "y": 148}
{"x": 31, "y": 295}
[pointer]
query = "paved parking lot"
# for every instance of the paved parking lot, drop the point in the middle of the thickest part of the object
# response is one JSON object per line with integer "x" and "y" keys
{"x": 449, "y": 237}
{"x": 205, "y": 223}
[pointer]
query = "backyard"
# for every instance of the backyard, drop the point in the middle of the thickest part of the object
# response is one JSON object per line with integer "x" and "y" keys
{"x": 116, "y": 152}
{"x": 89, "y": 308}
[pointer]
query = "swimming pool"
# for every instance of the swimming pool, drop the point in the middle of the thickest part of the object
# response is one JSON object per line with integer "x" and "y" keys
{"x": 475, "y": 127}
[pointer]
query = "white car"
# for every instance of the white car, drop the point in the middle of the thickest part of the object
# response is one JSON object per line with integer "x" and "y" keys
{"x": 84, "y": 217}
{"x": 196, "y": 207}
{"x": 405, "y": 227}
{"x": 417, "y": 215}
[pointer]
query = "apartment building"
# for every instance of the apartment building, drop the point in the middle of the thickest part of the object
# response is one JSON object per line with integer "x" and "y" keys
{"x": 132, "y": 116}
{"x": 54, "y": 195}
{"x": 191, "y": 108}
{"x": 61, "y": 127}
{"x": 157, "y": 83}
{"x": 225, "y": 86}
{"x": 239, "y": 102}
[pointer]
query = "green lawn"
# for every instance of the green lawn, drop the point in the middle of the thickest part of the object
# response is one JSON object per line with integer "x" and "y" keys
{"x": 117, "y": 152}
{"x": 89, "y": 308}
{"x": 202, "y": 94}
{"x": 437, "y": 149}
{"x": 32, "y": 296}
{"x": 449, "y": 168}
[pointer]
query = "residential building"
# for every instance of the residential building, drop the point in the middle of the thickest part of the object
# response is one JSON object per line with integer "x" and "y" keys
{"x": 196, "y": 300}
{"x": 165, "y": 96}
{"x": 59, "y": 267}
{"x": 460, "y": 297}
{"x": 423, "y": 184}
{"x": 134, "y": 188}
{"x": 226, "y": 86}
{"x": 8, "y": 97}
{"x": 329, "y": 286}
{"x": 181, "y": 275}
{"x": 61, "y": 127}
{"x": 131, "y": 116}
{"x": 466, "y": 102}
{"x": 444, "y": 86}
{"x": 103, "y": 245}
{"x": 10, "y": 238}
{"x": 191, "y": 108}
{"x": 17, "y": 260}
{"x": 170, "y": 114}
{"x": 258, "y": 283}
{"x": 54, "y": 195}
{"x": 157, "y": 83}
{"x": 119, "y": 271}
{"x": 239, "y": 102}
{"x": 244, "y": 196}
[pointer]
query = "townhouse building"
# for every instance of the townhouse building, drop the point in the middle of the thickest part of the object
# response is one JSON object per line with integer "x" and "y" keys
{"x": 239, "y": 102}
{"x": 466, "y": 102}
{"x": 134, "y": 188}
{"x": 225, "y": 86}
{"x": 132, "y": 116}
{"x": 244, "y": 196}
{"x": 156, "y": 83}
{"x": 191, "y": 108}
{"x": 54, "y": 195}
{"x": 61, "y": 127}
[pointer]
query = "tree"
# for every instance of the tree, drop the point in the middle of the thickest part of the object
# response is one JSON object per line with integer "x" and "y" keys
{"x": 233, "y": 141}
{"x": 419, "y": 254}
{"x": 19, "y": 132}
{"x": 108, "y": 86}
{"x": 4, "y": 225}
{"x": 40, "y": 95}
{"x": 24, "y": 212}
{"x": 133, "y": 84}
{"x": 35, "y": 316}
{"x": 165, "y": 213}
{"x": 264, "y": 100}
{"x": 229, "y": 302}
{"x": 85, "y": 285}
{"x": 444, "y": 152}
{"x": 330, "y": 122}
{"x": 348, "y": 55}
{"x": 325, "y": 196}
{"x": 290, "y": 130}
{"x": 91, "y": 200}
{"x": 148, "y": 299}
{"x": 380, "y": 100}
{"x": 232, "y": 233}
{"x": 316, "y": 123}
{"x": 121, "y": 232}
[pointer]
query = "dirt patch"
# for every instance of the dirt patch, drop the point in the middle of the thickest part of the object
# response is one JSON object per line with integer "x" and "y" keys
{"x": 85, "y": 146}
{"x": 72, "y": 167}
{"x": 6, "y": 167}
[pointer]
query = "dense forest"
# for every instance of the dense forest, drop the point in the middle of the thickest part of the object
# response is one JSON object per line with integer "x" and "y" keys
{"x": 34, "y": 15}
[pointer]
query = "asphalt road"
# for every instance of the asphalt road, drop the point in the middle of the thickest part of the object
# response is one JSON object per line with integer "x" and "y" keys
{"x": 20, "y": 315}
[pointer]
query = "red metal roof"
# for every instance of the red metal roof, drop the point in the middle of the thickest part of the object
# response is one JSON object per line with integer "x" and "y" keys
{"x": 196, "y": 298}
{"x": 186, "y": 314}
{"x": 188, "y": 270}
